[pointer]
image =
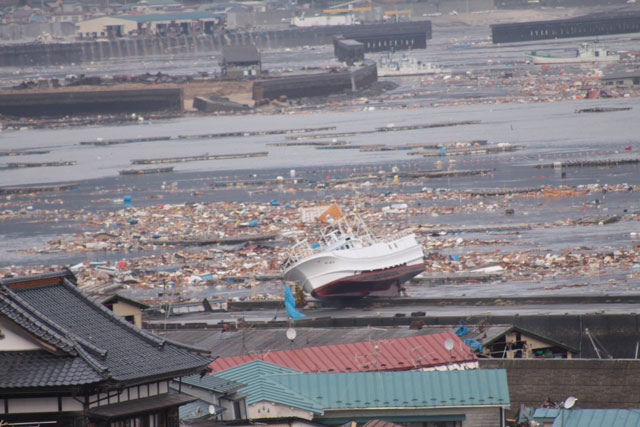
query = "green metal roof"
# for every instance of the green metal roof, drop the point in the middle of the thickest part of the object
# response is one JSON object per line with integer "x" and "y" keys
{"x": 590, "y": 417}
{"x": 213, "y": 383}
{"x": 259, "y": 388}
{"x": 316, "y": 392}
{"x": 406, "y": 389}
{"x": 184, "y": 16}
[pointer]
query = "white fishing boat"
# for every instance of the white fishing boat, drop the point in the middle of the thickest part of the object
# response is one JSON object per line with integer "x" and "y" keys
{"x": 389, "y": 66}
{"x": 349, "y": 261}
{"x": 585, "y": 53}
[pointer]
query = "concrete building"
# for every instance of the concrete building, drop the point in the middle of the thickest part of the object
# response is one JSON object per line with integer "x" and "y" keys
{"x": 161, "y": 24}
{"x": 241, "y": 61}
{"x": 514, "y": 342}
{"x": 575, "y": 417}
{"x": 417, "y": 398}
{"x": 597, "y": 384}
{"x": 348, "y": 51}
{"x": 220, "y": 392}
{"x": 621, "y": 80}
{"x": 424, "y": 352}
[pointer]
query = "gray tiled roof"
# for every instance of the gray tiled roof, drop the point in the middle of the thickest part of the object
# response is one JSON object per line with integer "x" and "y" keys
{"x": 52, "y": 308}
{"x": 42, "y": 369}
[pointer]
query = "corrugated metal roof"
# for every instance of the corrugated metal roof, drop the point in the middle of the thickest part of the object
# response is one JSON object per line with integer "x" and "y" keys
{"x": 406, "y": 389}
{"x": 262, "y": 340}
{"x": 596, "y": 418}
{"x": 416, "y": 352}
{"x": 212, "y": 382}
{"x": 258, "y": 388}
{"x": 545, "y": 413}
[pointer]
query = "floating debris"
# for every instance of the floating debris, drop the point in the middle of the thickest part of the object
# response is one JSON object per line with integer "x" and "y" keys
{"x": 228, "y": 240}
{"x": 37, "y": 189}
{"x": 444, "y": 152}
{"x": 462, "y": 276}
{"x": 589, "y": 163}
{"x": 324, "y": 135}
{"x": 40, "y": 165}
{"x": 392, "y": 127}
{"x": 307, "y": 143}
{"x": 501, "y": 228}
{"x": 198, "y": 158}
{"x": 425, "y": 146}
{"x": 254, "y": 133}
{"x": 501, "y": 191}
{"x": 22, "y": 152}
{"x": 146, "y": 171}
{"x": 603, "y": 109}
{"x": 100, "y": 141}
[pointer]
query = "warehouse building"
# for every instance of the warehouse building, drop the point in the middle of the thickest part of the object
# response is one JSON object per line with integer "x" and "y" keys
{"x": 162, "y": 24}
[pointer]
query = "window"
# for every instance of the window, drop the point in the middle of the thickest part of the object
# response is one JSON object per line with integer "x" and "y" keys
{"x": 237, "y": 412}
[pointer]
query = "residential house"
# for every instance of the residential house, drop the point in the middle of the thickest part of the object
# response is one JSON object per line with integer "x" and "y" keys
{"x": 416, "y": 398}
{"x": 68, "y": 360}
{"x": 220, "y": 392}
{"x": 125, "y": 307}
{"x": 596, "y": 383}
{"x": 424, "y": 352}
{"x": 514, "y": 342}
{"x": 550, "y": 417}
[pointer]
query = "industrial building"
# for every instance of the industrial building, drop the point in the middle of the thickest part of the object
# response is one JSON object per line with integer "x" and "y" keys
{"x": 583, "y": 26}
{"x": 623, "y": 80}
{"x": 240, "y": 61}
{"x": 162, "y": 24}
{"x": 348, "y": 51}
{"x": 319, "y": 84}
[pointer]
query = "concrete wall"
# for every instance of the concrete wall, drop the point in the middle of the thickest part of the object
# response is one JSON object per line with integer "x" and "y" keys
{"x": 33, "y": 30}
{"x": 596, "y": 383}
{"x": 11, "y": 341}
{"x": 28, "y": 54}
{"x": 60, "y": 103}
{"x": 320, "y": 84}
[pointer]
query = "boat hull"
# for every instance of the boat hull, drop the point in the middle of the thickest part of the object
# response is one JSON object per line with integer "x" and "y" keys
{"x": 380, "y": 283}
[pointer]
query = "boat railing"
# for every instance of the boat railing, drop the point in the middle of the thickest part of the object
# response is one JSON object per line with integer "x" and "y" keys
{"x": 349, "y": 229}
{"x": 396, "y": 236}
{"x": 297, "y": 252}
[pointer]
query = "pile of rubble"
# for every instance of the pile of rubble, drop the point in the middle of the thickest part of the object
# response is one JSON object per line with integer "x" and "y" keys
{"x": 230, "y": 245}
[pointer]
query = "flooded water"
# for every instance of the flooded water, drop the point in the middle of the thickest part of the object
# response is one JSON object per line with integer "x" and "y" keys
{"x": 547, "y": 131}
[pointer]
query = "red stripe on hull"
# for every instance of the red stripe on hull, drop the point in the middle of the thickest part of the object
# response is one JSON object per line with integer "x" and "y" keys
{"x": 379, "y": 283}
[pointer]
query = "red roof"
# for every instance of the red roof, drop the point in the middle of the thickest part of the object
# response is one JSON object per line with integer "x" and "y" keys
{"x": 394, "y": 354}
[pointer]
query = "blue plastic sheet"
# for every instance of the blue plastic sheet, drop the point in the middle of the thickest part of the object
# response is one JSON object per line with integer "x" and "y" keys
{"x": 462, "y": 331}
{"x": 290, "y": 303}
{"x": 473, "y": 344}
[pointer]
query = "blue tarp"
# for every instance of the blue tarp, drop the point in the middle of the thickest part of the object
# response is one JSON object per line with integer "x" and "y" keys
{"x": 474, "y": 345}
{"x": 462, "y": 331}
{"x": 290, "y": 303}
